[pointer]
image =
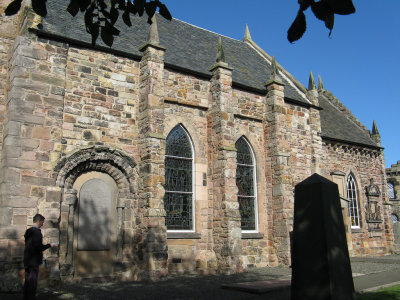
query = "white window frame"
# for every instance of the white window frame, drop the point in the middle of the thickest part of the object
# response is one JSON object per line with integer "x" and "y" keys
{"x": 193, "y": 181}
{"x": 351, "y": 188}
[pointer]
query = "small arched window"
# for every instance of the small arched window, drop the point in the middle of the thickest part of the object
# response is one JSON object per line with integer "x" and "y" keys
{"x": 395, "y": 218}
{"x": 246, "y": 183}
{"x": 179, "y": 198}
{"x": 352, "y": 195}
{"x": 390, "y": 191}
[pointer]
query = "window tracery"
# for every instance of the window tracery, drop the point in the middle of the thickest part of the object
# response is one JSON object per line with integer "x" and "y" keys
{"x": 178, "y": 199}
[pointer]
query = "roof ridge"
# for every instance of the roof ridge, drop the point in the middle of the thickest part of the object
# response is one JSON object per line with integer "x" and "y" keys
{"x": 291, "y": 79}
{"x": 341, "y": 107}
{"x": 298, "y": 85}
{"x": 218, "y": 34}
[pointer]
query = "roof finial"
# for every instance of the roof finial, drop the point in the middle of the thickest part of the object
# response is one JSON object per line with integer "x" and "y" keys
{"x": 320, "y": 84}
{"x": 247, "y": 36}
{"x": 220, "y": 52}
{"x": 311, "y": 83}
{"x": 274, "y": 70}
{"x": 153, "y": 32}
{"x": 375, "y": 129}
{"x": 275, "y": 78}
{"x": 375, "y": 134}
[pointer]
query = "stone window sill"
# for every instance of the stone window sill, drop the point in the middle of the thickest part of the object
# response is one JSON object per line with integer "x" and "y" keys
{"x": 183, "y": 235}
{"x": 252, "y": 235}
{"x": 356, "y": 230}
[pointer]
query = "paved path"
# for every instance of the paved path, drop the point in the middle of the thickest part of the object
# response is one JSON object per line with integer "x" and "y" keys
{"x": 370, "y": 273}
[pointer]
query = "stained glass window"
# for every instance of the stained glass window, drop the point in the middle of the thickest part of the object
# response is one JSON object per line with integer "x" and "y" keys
{"x": 353, "y": 204}
{"x": 390, "y": 191}
{"x": 178, "y": 199}
{"x": 245, "y": 181}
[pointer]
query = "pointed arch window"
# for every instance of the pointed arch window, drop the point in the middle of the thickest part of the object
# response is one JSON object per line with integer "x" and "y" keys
{"x": 352, "y": 195}
{"x": 390, "y": 191}
{"x": 178, "y": 199}
{"x": 246, "y": 183}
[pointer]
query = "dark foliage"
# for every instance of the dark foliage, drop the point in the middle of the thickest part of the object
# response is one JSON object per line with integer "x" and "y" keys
{"x": 101, "y": 15}
{"x": 324, "y": 10}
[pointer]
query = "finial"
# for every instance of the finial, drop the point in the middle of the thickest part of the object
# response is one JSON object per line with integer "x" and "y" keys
{"x": 220, "y": 52}
{"x": 311, "y": 83}
{"x": 275, "y": 78}
{"x": 153, "y": 32}
{"x": 320, "y": 84}
{"x": 274, "y": 70}
{"x": 221, "y": 62}
{"x": 376, "y": 137}
{"x": 375, "y": 129}
{"x": 247, "y": 36}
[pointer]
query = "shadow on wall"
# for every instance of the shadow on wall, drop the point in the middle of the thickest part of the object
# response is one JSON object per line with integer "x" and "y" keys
{"x": 11, "y": 262}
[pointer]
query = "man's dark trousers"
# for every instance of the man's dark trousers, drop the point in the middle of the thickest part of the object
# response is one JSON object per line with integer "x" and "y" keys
{"x": 30, "y": 286}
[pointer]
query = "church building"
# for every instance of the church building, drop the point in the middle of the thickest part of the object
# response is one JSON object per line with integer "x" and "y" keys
{"x": 176, "y": 150}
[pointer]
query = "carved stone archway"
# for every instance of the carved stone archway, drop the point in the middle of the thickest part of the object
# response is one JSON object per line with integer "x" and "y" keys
{"x": 120, "y": 167}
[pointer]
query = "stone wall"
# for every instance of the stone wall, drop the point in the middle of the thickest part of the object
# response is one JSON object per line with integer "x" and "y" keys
{"x": 364, "y": 165}
{"x": 69, "y": 111}
{"x": 393, "y": 176}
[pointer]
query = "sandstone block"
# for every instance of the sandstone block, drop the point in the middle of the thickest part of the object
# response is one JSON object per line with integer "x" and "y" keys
{"x": 41, "y": 133}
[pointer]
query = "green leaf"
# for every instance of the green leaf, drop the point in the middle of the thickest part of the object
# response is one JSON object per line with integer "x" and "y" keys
{"x": 13, "y": 7}
{"x": 114, "y": 15}
{"x": 84, "y": 4}
{"x": 94, "y": 32}
{"x": 132, "y": 8}
{"x": 107, "y": 37}
{"x": 304, "y": 4}
{"x": 126, "y": 18}
{"x": 297, "y": 28}
{"x": 73, "y": 7}
{"x": 165, "y": 12}
{"x": 329, "y": 22}
{"x": 321, "y": 10}
{"x": 139, "y": 4}
{"x": 341, "y": 7}
{"x": 150, "y": 10}
{"x": 39, "y": 7}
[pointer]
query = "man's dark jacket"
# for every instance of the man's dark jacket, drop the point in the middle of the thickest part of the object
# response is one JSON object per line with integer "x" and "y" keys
{"x": 33, "y": 253}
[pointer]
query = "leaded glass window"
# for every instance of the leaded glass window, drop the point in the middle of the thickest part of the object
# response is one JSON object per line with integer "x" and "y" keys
{"x": 353, "y": 204}
{"x": 395, "y": 218}
{"x": 390, "y": 191}
{"x": 178, "y": 199}
{"x": 246, "y": 183}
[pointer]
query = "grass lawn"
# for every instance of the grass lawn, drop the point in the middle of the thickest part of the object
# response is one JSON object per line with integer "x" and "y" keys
{"x": 391, "y": 293}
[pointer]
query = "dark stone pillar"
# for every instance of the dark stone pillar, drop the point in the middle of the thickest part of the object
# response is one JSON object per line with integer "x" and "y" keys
{"x": 320, "y": 259}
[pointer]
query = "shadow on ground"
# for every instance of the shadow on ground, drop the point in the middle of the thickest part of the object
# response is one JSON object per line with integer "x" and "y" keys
{"x": 177, "y": 287}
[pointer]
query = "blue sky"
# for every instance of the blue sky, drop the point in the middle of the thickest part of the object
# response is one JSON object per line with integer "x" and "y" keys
{"x": 359, "y": 63}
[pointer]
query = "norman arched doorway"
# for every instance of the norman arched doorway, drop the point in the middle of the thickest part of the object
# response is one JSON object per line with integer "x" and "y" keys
{"x": 95, "y": 229}
{"x": 98, "y": 222}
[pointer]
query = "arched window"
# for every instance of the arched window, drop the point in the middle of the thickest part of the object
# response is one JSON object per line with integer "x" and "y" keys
{"x": 246, "y": 183}
{"x": 395, "y": 218}
{"x": 352, "y": 195}
{"x": 390, "y": 191}
{"x": 179, "y": 198}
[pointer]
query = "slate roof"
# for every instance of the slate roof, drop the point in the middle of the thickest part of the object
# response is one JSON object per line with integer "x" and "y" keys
{"x": 335, "y": 125}
{"x": 187, "y": 46}
{"x": 194, "y": 49}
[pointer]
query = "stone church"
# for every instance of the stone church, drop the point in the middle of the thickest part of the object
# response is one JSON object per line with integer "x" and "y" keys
{"x": 393, "y": 190}
{"x": 174, "y": 151}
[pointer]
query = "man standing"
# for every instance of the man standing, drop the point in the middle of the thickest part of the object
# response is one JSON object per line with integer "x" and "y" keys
{"x": 33, "y": 256}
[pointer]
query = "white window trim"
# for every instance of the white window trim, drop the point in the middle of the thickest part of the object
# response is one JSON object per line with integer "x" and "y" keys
{"x": 351, "y": 178}
{"x": 193, "y": 183}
